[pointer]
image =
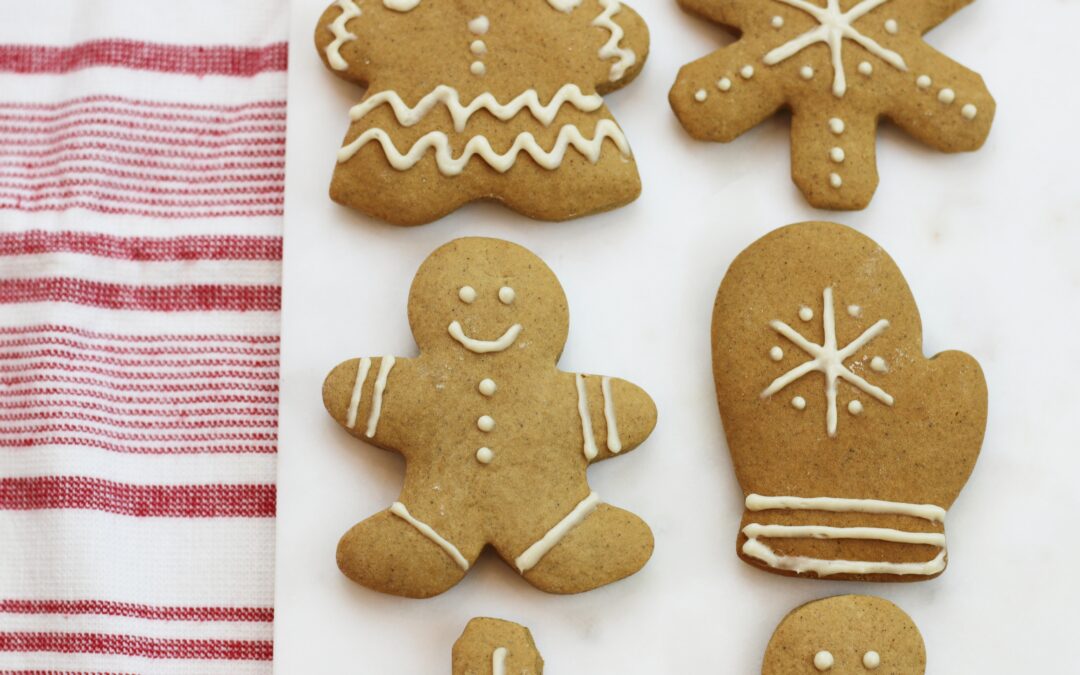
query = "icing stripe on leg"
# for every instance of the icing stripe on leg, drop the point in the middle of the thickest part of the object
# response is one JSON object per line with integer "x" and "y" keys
{"x": 532, "y": 555}
{"x": 399, "y": 510}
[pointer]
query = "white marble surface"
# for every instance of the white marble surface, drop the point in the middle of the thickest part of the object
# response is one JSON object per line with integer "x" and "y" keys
{"x": 989, "y": 242}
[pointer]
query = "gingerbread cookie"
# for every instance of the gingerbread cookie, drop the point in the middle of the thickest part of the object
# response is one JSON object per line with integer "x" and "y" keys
{"x": 496, "y": 647}
{"x": 846, "y": 635}
{"x": 839, "y": 66}
{"x": 476, "y": 99}
{"x": 496, "y": 439}
{"x": 849, "y": 444}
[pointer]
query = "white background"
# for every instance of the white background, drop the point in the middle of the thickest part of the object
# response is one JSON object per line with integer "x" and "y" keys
{"x": 990, "y": 243}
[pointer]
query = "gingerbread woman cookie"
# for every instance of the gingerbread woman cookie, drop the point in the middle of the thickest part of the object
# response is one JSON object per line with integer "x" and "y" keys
{"x": 849, "y": 444}
{"x": 496, "y": 647}
{"x": 839, "y": 66}
{"x": 496, "y": 439}
{"x": 846, "y": 635}
{"x": 477, "y": 99}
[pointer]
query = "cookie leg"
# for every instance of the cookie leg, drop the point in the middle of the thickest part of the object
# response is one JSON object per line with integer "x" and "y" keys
{"x": 834, "y": 157}
{"x": 609, "y": 544}
{"x": 387, "y": 553}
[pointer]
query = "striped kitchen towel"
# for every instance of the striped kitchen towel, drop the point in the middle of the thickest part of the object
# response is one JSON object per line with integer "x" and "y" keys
{"x": 141, "y": 188}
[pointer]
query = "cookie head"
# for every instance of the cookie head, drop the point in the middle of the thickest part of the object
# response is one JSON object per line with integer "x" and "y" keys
{"x": 489, "y": 297}
{"x": 846, "y": 635}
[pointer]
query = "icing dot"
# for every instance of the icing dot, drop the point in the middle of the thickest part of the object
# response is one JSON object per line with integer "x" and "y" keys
{"x": 946, "y": 96}
{"x": 823, "y": 660}
{"x": 835, "y": 180}
{"x": 892, "y": 27}
{"x": 776, "y": 353}
{"x": 506, "y": 295}
{"x": 837, "y": 155}
{"x": 747, "y": 72}
{"x": 724, "y": 84}
{"x": 485, "y": 423}
{"x": 478, "y": 47}
{"x": 805, "y": 313}
{"x": 969, "y": 111}
{"x": 806, "y": 72}
{"x": 865, "y": 68}
{"x": 485, "y": 455}
{"x": 479, "y": 25}
{"x": 778, "y": 22}
{"x": 700, "y": 95}
{"x": 799, "y": 403}
{"x": 878, "y": 365}
{"x": 854, "y": 311}
{"x": 855, "y": 407}
{"x": 836, "y": 125}
{"x": 467, "y": 294}
{"x": 923, "y": 82}
{"x": 477, "y": 68}
{"x": 871, "y": 660}
{"x": 487, "y": 386}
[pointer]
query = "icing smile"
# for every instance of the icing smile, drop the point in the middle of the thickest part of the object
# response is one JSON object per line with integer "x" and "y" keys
{"x": 485, "y": 346}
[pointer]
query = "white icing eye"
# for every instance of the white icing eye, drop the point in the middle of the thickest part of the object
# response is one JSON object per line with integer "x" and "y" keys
{"x": 823, "y": 660}
{"x": 871, "y": 660}
{"x": 506, "y": 295}
{"x": 467, "y": 294}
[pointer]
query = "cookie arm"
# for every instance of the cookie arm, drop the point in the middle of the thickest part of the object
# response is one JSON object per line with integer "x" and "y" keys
{"x": 732, "y": 13}
{"x": 342, "y": 37}
{"x": 625, "y": 46}
{"x": 620, "y": 415}
{"x": 834, "y": 156}
{"x": 359, "y": 395}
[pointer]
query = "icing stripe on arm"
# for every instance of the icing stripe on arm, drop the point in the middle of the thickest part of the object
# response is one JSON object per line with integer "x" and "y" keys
{"x": 376, "y": 402}
{"x": 626, "y": 58}
{"x": 614, "y": 443}
{"x": 362, "y": 369}
{"x": 589, "y": 443}
{"x": 349, "y": 11}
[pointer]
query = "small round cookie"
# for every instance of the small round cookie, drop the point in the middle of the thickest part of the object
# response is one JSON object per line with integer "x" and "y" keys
{"x": 846, "y": 635}
{"x": 496, "y": 647}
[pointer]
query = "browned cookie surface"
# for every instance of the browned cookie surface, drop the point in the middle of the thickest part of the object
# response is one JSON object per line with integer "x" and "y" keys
{"x": 496, "y": 647}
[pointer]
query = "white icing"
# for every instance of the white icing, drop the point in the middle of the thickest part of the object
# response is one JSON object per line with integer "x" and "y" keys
{"x": 930, "y": 512}
{"x": 532, "y": 555}
{"x": 923, "y": 82}
{"x": 828, "y": 359}
{"x": 614, "y": 443}
{"x": 746, "y": 72}
{"x": 891, "y": 27}
{"x": 969, "y": 111}
{"x": 806, "y": 73}
{"x": 700, "y": 95}
{"x": 569, "y": 135}
{"x": 479, "y": 25}
{"x": 878, "y": 365}
{"x": 835, "y": 180}
{"x": 484, "y": 346}
{"x": 778, "y": 22}
{"x": 349, "y": 11}
{"x": 799, "y": 403}
{"x": 836, "y": 125}
{"x": 625, "y": 58}
{"x": 946, "y": 96}
{"x": 588, "y": 443}
{"x": 871, "y": 660}
{"x": 854, "y": 311}
{"x": 564, "y": 5}
{"x": 485, "y": 455}
{"x": 362, "y": 369}
{"x": 487, "y": 387}
{"x": 837, "y": 155}
{"x": 498, "y": 661}
{"x": 467, "y": 294}
{"x": 485, "y": 423}
{"x": 855, "y": 407}
{"x": 399, "y": 510}
{"x": 401, "y": 5}
{"x": 776, "y": 353}
{"x": 823, "y": 660}
{"x": 866, "y": 68}
{"x": 724, "y": 84}
{"x": 461, "y": 113}
{"x": 477, "y": 68}
{"x": 507, "y": 295}
{"x": 835, "y": 26}
{"x": 385, "y": 366}
{"x": 805, "y": 313}
{"x": 478, "y": 47}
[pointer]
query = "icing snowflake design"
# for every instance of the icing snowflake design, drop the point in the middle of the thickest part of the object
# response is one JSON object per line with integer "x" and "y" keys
{"x": 829, "y": 360}
{"x": 835, "y": 26}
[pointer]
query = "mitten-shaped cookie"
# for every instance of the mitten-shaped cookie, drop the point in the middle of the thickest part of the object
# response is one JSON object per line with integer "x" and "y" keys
{"x": 839, "y": 66}
{"x": 496, "y": 647}
{"x": 496, "y": 438}
{"x": 849, "y": 444}
{"x": 846, "y": 635}
{"x": 483, "y": 99}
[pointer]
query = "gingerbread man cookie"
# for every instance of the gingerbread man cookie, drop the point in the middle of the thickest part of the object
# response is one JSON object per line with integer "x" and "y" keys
{"x": 849, "y": 444}
{"x": 839, "y": 66}
{"x": 496, "y": 647}
{"x": 496, "y": 439}
{"x": 478, "y": 99}
{"x": 846, "y": 635}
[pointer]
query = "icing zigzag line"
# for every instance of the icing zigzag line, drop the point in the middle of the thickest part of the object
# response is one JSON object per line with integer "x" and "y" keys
{"x": 349, "y": 11}
{"x": 626, "y": 57}
{"x": 448, "y": 96}
{"x": 569, "y": 135}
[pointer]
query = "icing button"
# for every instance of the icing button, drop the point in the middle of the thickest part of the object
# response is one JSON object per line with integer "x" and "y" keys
{"x": 485, "y": 423}
{"x": 487, "y": 386}
{"x": 484, "y": 455}
{"x": 823, "y": 660}
{"x": 871, "y": 660}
